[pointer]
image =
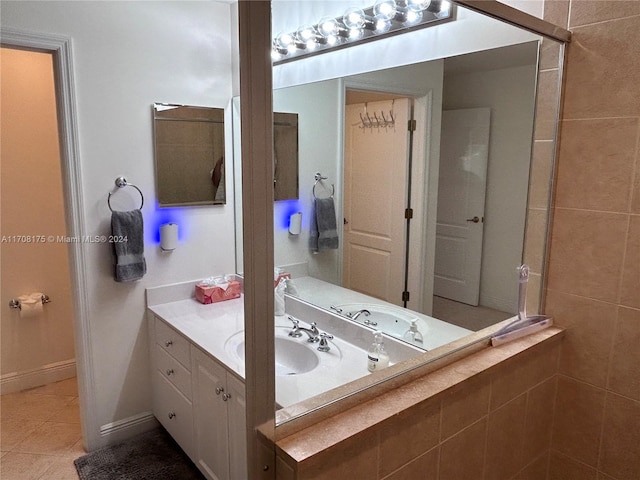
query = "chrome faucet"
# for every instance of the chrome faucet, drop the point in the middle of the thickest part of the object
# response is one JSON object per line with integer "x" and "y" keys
{"x": 366, "y": 313}
{"x": 312, "y": 332}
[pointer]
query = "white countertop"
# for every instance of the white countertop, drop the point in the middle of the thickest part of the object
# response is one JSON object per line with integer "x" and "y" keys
{"x": 323, "y": 294}
{"x": 209, "y": 327}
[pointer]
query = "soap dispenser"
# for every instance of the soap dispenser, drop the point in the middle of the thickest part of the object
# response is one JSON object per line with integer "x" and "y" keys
{"x": 377, "y": 356}
{"x": 413, "y": 335}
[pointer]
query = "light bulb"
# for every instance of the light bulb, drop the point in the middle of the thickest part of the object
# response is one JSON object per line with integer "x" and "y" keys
{"x": 445, "y": 9}
{"x": 381, "y": 24}
{"x": 385, "y": 9}
{"x": 418, "y": 5}
{"x": 328, "y": 27}
{"x": 305, "y": 34}
{"x": 353, "y": 18}
{"x": 284, "y": 41}
{"x": 355, "y": 33}
{"x": 412, "y": 17}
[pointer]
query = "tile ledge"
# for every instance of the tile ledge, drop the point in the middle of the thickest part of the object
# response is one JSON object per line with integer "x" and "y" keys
{"x": 303, "y": 445}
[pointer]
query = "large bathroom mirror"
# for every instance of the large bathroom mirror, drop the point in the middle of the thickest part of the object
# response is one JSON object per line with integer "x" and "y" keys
{"x": 189, "y": 154}
{"x": 438, "y": 162}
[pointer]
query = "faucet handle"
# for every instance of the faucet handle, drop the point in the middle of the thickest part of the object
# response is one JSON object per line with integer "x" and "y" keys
{"x": 296, "y": 327}
{"x": 324, "y": 345}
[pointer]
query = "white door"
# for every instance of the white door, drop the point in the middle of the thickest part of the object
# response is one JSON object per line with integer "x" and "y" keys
{"x": 375, "y": 196}
{"x": 461, "y": 193}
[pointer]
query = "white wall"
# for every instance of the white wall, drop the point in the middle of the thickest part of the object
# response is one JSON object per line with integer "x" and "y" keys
{"x": 37, "y": 349}
{"x": 320, "y": 123}
{"x": 510, "y": 93}
{"x": 128, "y": 55}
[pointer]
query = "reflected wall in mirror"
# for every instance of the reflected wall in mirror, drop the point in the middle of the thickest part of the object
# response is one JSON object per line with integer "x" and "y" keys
{"x": 189, "y": 154}
{"x": 440, "y": 162}
{"x": 285, "y": 157}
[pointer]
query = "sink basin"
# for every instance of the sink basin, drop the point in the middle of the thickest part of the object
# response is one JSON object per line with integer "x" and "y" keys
{"x": 394, "y": 321}
{"x": 294, "y": 356}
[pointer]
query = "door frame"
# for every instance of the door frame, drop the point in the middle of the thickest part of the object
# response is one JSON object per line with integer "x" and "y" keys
{"x": 61, "y": 49}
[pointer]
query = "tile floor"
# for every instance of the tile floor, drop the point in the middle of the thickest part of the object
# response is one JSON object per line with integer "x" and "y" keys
{"x": 40, "y": 433}
{"x": 466, "y": 316}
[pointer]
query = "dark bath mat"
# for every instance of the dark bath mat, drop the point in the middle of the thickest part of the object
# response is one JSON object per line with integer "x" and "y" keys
{"x": 153, "y": 455}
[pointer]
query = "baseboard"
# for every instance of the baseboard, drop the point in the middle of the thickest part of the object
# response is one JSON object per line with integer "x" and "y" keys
{"x": 54, "y": 372}
{"x": 125, "y": 428}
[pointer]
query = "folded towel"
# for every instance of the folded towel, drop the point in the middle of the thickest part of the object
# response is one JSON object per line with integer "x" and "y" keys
{"x": 129, "y": 253}
{"x": 324, "y": 232}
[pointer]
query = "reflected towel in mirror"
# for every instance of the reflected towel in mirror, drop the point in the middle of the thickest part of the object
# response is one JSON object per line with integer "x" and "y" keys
{"x": 324, "y": 232}
{"x": 128, "y": 245}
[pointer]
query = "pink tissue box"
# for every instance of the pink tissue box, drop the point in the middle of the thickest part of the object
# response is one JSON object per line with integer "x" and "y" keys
{"x": 280, "y": 277}
{"x": 212, "y": 294}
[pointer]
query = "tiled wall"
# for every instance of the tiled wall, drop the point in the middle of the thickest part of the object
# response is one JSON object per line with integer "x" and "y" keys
{"x": 594, "y": 264}
{"x": 495, "y": 425}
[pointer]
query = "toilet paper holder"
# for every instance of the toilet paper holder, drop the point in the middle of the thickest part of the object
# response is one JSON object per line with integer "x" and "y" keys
{"x": 15, "y": 303}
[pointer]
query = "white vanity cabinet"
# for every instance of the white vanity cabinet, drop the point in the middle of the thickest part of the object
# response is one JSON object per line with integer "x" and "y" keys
{"x": 171, "y": 380}
{"x": 199, "y": 403}
{"x": 219, "y": 414}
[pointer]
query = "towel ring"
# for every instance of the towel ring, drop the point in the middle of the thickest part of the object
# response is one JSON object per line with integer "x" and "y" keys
{"x": 319, "y": 178}
{"x": 121, "y": 182}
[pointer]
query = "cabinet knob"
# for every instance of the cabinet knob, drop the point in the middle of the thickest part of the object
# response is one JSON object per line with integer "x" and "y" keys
{"x": 170, "y": 371}
{"x": 171, "y": 415}
{"x": 219, "y": 390}
{"x": 226, "y": 396}
{"x": 168, "y": 343}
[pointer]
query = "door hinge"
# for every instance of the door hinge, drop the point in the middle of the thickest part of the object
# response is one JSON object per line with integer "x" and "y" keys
{"x": 411, "y": 125}
{"x": 408, "y": 213}
{"x": 405, "y": 296}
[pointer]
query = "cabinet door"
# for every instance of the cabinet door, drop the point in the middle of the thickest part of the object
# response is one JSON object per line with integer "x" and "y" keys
{"x": 210, "y": 416}
{"x": 236, "y": 407}
{"x": 174, "y": 411}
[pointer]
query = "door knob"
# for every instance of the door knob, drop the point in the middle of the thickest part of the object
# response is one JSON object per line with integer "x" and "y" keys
{"x": 474, "y": 219}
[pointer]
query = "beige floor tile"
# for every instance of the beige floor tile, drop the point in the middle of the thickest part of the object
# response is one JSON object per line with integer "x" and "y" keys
{"x": 32, "y": 406}
{"x": 51, "y": 439}
{"x": 63, "y": 387}
{"x": 466, "y": 316}
{"x": 76, "y": 451}
{"x": 62, "y": 468}
{"x": 68, "y": 414}
{"x": 24, "y": 466}
{"x": 14, "y": 430}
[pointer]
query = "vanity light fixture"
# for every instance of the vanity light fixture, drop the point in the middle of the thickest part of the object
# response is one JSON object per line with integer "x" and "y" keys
{"x": 356, "y": 25}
